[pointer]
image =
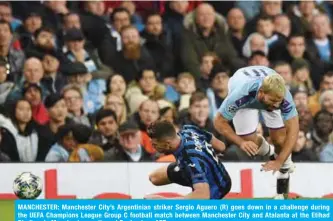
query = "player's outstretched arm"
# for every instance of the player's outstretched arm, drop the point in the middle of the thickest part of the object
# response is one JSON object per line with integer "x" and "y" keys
{"x": 292, "y": 128}
{"x": 218, "y": 145}
{"x": 222, "y": 126}
{"x": 200, "y": 191}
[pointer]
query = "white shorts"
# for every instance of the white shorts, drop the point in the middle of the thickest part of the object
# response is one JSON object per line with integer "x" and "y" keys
{"x": 246, "y": 120}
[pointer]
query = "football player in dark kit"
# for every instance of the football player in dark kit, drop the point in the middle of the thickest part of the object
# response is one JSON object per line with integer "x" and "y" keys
{"x": 197, "y": 164}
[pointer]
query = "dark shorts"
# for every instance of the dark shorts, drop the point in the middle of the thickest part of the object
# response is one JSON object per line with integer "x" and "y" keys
{"x": 179, "y": 176}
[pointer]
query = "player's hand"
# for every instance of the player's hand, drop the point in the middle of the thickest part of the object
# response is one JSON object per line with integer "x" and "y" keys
{"x": 273, "y": 165}
{"x": 153, "y": 196}
{"x": 249, "y": 147}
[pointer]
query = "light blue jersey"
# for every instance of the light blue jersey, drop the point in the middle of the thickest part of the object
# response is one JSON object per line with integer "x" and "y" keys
{"x": 243, "y": 89}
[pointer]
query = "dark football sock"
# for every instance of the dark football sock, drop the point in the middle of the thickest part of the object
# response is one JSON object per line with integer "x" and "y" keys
{"x": 282, "y": 183}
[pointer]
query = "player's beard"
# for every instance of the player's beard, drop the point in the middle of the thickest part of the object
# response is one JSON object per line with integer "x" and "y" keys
{"x": 132, "y": 51}
{"x": 167, "y": 150}
{"x": 264, "y": 105}
{"x": 267, "y": 108}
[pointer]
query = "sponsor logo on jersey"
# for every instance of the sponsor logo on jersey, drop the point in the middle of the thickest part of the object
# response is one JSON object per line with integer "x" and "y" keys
{"x": 285, "y": 107}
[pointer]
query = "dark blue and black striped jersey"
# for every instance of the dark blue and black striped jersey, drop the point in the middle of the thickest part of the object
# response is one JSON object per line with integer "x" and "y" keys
{"x": 198, "y": 159}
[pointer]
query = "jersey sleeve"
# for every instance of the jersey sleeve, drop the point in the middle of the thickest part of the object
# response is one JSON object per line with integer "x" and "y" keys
{"x": 196, "y": 170}
{"x": 288, "y": 107}
{"x": 208, "y": 135}
{"x": 229, "y": 107}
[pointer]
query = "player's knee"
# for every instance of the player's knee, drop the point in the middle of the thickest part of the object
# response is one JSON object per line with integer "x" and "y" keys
{"x": 152, "y": 178}
{"x": 252, "y": 137}
{"x": 155, "y": 179}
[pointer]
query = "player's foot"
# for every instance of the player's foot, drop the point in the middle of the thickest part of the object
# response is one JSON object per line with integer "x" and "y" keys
{"x": 280, "y": 197}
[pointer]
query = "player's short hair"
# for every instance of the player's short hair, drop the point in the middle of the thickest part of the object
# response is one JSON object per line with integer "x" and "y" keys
{"x": 161, "y": 130}
{"x": 274, "y": 84}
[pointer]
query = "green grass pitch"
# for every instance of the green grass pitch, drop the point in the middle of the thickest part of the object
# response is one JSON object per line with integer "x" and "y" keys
{"x": 7, "y": 209}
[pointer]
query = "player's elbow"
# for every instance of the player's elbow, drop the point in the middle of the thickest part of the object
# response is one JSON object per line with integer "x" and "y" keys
{"x": 222, "y": 146}
{"x": 153, "y": 179}
{"x": 160, "y": 176}
{"x": 218, "y": 145}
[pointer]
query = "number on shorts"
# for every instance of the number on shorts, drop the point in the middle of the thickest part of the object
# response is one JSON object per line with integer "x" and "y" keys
{"x": 257, "y": 73}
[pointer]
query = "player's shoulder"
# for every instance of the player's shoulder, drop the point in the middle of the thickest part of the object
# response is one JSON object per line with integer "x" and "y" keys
{"x": 192, "y": 131}
{"x": 192, "y": 135}
{"x": 189, "y": 127}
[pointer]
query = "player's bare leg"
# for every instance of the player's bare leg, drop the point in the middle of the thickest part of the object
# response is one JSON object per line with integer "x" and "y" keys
{"x": 160, "y": 176}
{"x": 264, "y": 148}
{"x": 278, "y": 138}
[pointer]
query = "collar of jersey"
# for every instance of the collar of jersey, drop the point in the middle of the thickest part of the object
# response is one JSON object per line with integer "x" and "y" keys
{"x": 181, "y": 145}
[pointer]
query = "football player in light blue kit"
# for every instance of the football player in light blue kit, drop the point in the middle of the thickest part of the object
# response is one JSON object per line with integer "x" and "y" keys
{"x": 259, "y": 90}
